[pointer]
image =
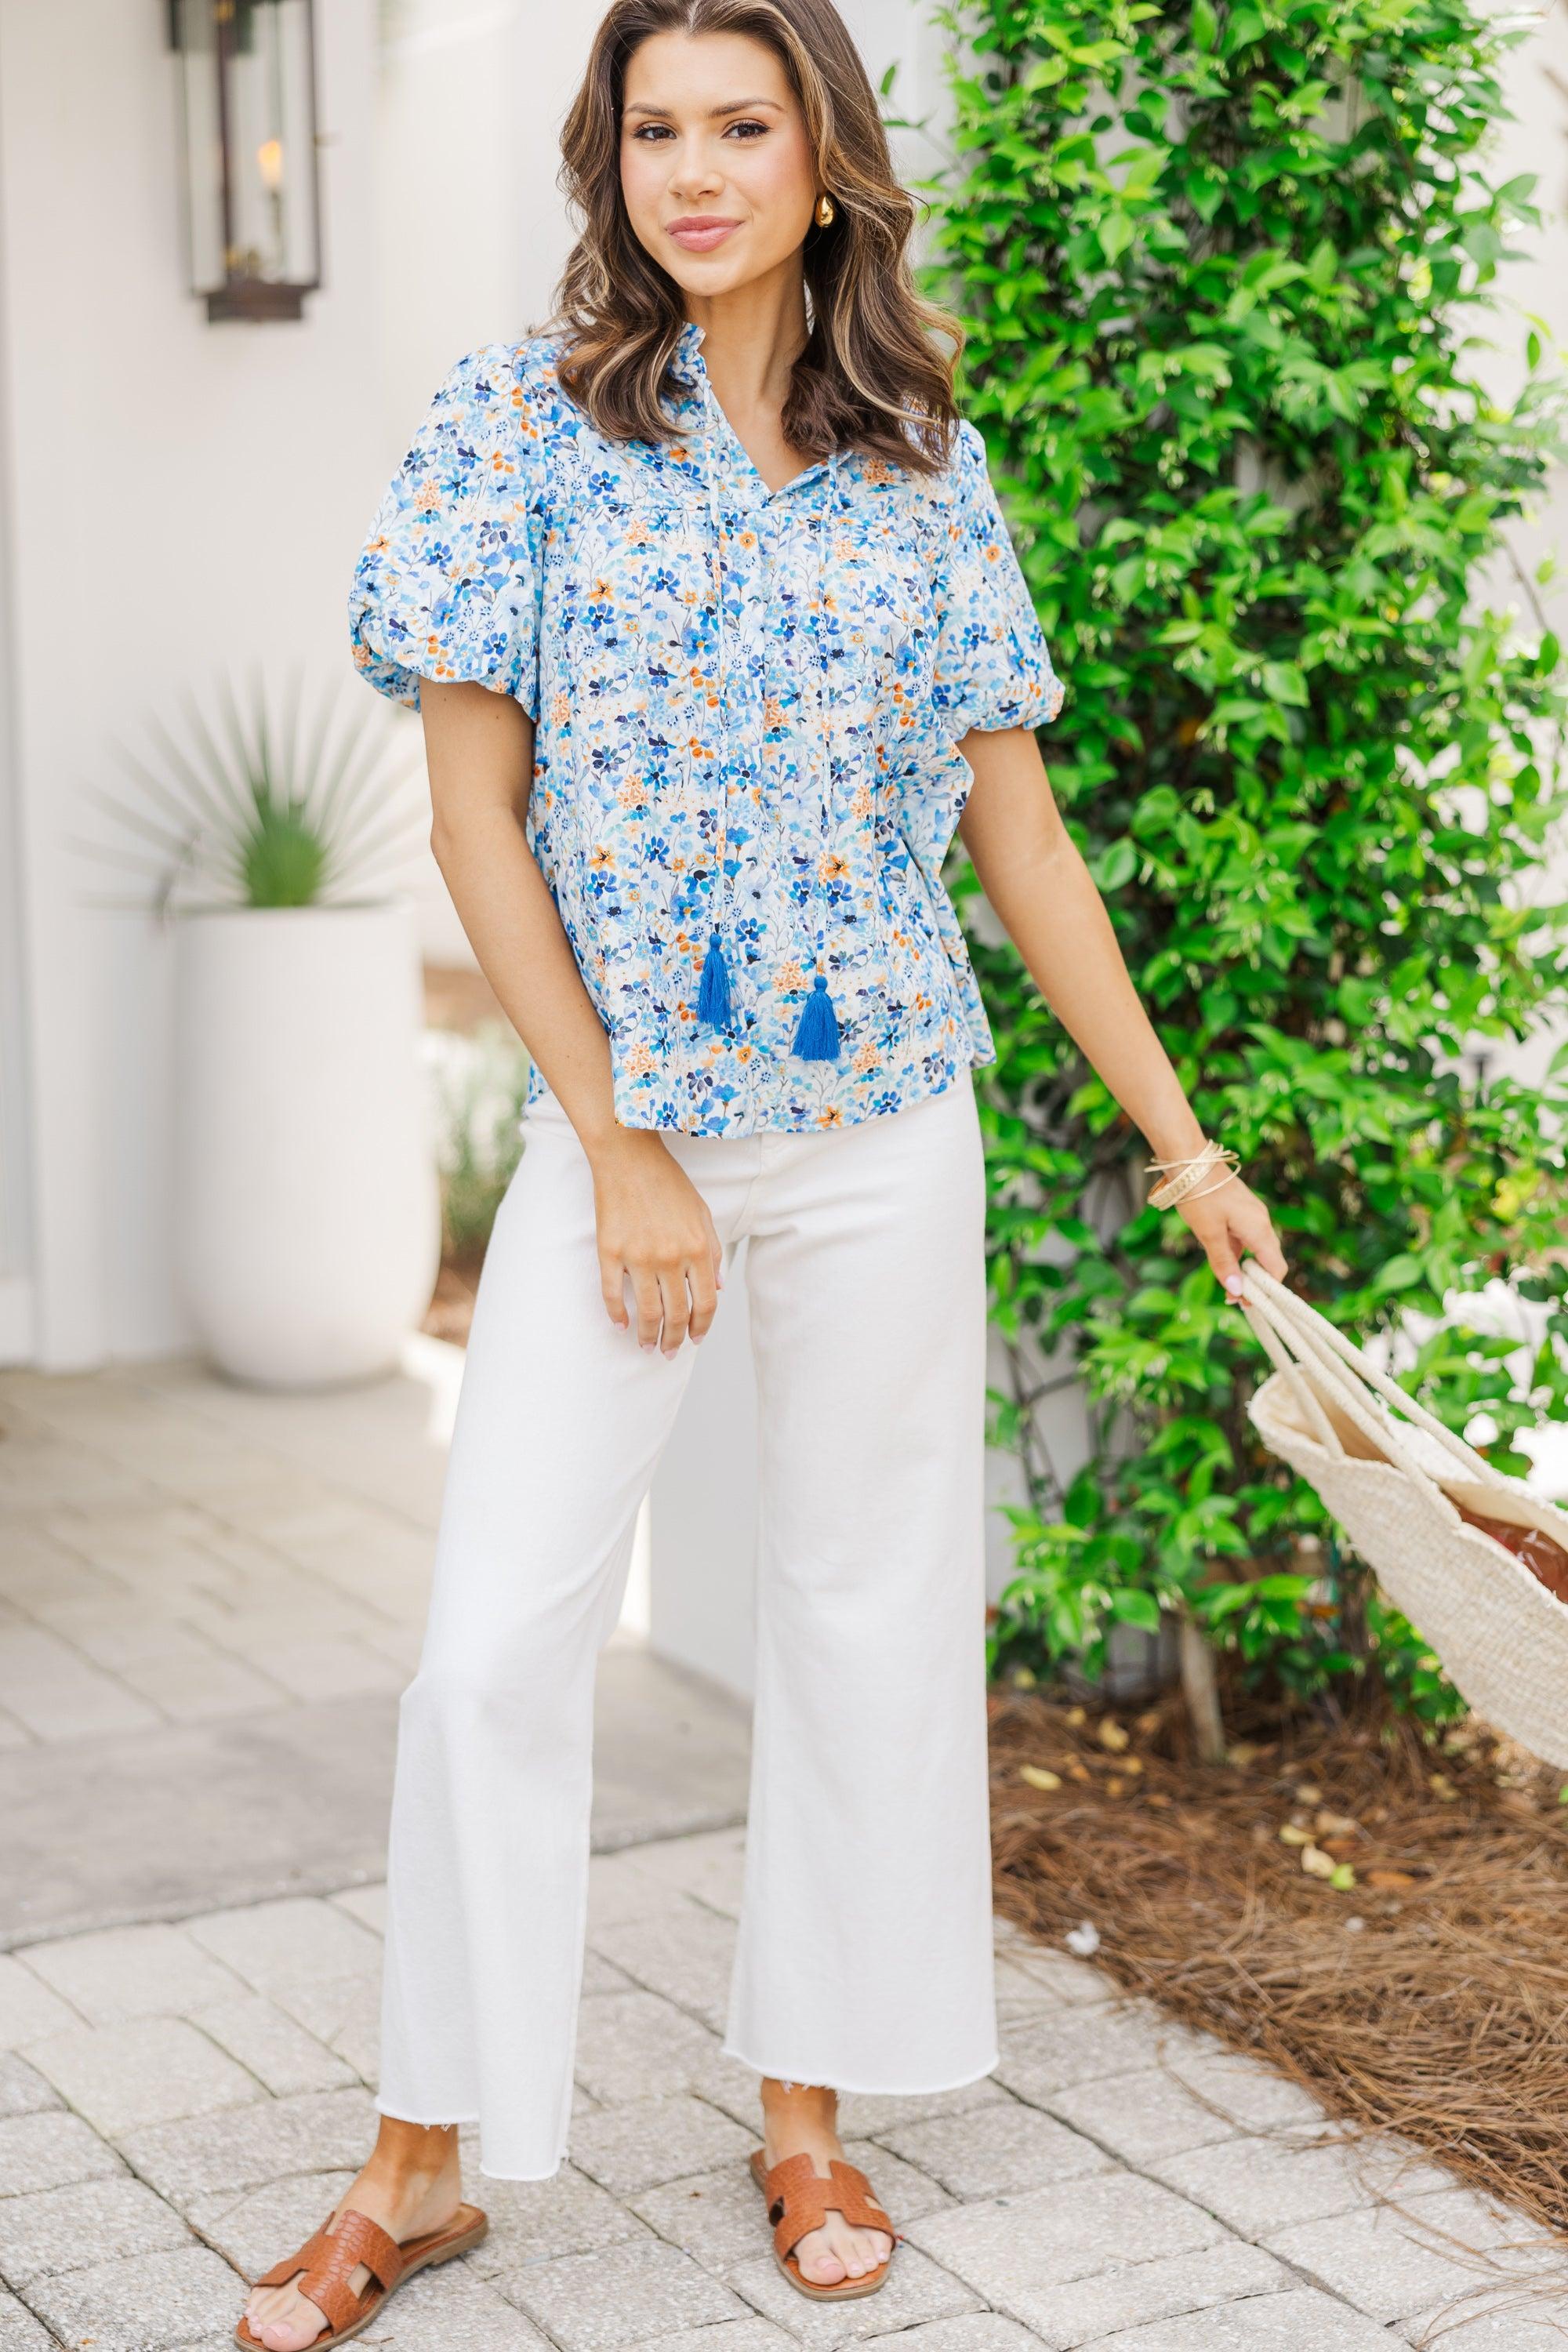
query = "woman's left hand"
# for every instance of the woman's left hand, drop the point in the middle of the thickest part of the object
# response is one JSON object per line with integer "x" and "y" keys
{"x": 1229, "y": 1220}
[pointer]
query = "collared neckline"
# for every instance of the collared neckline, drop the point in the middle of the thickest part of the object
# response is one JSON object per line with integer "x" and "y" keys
{"x": 727, "y": 452}
{"x": 686, "y": 360}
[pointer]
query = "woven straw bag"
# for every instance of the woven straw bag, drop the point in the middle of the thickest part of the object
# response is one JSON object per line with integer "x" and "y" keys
{"x": 1394, "y": 1483}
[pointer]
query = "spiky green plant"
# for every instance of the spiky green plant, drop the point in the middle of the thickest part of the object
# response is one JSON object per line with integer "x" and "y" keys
{"x": 273, "y": 803}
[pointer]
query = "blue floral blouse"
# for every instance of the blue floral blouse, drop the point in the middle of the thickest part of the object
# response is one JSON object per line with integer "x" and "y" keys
{"x": 747, "y": 708}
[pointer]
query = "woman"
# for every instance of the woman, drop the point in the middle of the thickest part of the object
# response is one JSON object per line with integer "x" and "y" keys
{"x": 716, "y": 634}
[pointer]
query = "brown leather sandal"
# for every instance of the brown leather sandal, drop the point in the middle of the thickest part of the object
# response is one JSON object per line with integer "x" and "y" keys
{"x": 323, "y": 2265}
{"x": 800, "y": 2199}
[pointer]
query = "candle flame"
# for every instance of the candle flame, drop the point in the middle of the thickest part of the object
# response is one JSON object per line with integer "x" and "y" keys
{"x": 269, "y": 161}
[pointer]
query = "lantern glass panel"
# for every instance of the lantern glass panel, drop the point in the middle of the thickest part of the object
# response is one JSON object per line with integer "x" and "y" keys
{"x": 272, "y": 219}
{"x": 204, "y": 144}
{"x": 250, "y": 152}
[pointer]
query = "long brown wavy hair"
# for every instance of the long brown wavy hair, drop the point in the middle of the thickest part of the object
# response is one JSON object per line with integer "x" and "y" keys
{"x": 870, "y": 377}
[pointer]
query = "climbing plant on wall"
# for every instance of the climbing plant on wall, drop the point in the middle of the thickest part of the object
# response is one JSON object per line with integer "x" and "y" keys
{"x": 1223, "y": 268}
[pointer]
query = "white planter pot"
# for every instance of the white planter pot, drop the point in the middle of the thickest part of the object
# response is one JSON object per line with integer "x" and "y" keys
{"x": 308, "y": 1219}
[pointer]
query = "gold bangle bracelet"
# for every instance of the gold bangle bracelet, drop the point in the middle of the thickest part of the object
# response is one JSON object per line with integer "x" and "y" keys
{"x": 1180, "y": 1176}
{"x": 1165, "y": 1195}
{"x": 1229, "y": 1177}
{"x": 1181, "y": 1179}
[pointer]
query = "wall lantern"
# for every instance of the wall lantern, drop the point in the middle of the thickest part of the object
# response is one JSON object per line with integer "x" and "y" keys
{"x": 252, "y": 190}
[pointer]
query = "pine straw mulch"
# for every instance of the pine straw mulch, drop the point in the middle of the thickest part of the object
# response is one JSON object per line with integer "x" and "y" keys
{"x": 1425, "y": 1994}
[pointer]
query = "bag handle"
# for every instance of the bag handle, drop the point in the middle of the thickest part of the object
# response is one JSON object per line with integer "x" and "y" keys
{"x": 1322, "y": 1373}
{"x": 1387, "y": 1434}
{"x": 1323, "y": 1367}
{"x": 1285, "y": 1363}
{"x": 1327, "y": 1340}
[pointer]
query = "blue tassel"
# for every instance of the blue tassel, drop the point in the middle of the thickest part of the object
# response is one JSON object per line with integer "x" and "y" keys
{"x": 816, "y": 1038}
{"x": 714, "y": 990}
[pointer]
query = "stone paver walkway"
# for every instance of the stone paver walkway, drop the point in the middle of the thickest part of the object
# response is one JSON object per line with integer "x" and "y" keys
{"x": 185, "y": 2079}
{"x": 210, "y": 1599}
{"x": 182, "y": 2103}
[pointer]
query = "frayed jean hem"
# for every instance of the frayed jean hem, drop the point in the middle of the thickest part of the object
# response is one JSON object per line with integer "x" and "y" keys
{"x": 865, "y": 2090}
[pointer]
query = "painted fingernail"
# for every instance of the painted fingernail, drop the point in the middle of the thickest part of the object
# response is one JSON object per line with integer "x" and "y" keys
{"x": 1233, "y": 1283}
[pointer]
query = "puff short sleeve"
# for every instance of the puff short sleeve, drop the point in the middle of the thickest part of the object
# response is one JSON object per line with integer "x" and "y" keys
{"x": 448, "y": 584}
{"x": 992, "y": 666}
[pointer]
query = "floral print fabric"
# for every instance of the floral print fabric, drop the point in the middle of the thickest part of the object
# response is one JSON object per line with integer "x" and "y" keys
{"x": 747, "y": 710}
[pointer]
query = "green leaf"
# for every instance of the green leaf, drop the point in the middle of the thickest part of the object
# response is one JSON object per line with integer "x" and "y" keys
{"x": 1323, "y": 266}
{"x": 1117, "y": 865}
{"x": 1284, "y": 682}
{"x": 1139, "y": 1608}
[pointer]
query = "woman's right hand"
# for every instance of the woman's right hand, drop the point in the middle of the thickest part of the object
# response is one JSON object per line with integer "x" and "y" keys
{"x": 655, "y": 1232}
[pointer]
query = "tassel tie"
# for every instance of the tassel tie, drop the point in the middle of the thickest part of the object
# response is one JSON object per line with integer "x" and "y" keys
{"x": 715, "y": 1002}
{"x": 816, "y": 1038}
{"x": 816, "y": 1035}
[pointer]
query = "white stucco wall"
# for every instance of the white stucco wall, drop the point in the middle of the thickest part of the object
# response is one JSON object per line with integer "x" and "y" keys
{"x": 176, "y": 499}
{"x": 1534, "y": 286}
{"x": 1535, "y": 283}
{"x": 17, "y": 1289}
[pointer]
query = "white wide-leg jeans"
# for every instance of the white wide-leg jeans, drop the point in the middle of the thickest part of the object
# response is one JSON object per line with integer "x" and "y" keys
{"x": 865, "y": 1952}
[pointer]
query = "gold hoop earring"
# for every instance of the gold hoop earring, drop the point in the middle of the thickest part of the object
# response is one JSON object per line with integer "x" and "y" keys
{"x": 825, "y": 210}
